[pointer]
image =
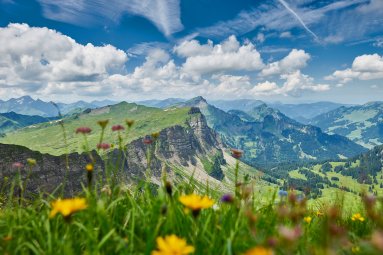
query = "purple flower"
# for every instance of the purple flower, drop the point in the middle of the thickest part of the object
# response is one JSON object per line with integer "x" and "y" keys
{"x": 282, "y": 193}
{"x": 227, "y": 198}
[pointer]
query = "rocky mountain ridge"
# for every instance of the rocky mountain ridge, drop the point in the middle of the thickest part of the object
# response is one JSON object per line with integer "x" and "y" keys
{"x": 177, "y": 146}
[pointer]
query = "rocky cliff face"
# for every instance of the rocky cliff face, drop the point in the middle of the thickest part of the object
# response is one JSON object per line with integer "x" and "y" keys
{"x": 47, "y": 174}
{"x": 178, "y": 145}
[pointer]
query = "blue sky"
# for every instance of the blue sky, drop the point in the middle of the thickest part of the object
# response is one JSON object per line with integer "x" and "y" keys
{"x": 285, "y": 50}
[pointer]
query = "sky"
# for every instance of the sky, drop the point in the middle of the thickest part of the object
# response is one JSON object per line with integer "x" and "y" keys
{"x": 276, "y": 50}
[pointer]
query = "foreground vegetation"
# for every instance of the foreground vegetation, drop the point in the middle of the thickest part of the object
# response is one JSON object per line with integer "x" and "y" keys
{"x": 180, "y": 217}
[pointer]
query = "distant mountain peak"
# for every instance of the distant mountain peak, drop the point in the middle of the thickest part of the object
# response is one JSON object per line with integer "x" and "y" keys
{"x": 199, "y": 99}
{"x": 196, "y": 101}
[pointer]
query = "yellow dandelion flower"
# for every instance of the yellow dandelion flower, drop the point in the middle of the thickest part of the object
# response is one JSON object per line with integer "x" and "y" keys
{"x": 196, "y": 202}
{"x": 319, "y": 213}
{"x": 31, "y": 161}
{"x": 103, "y": 123}
{"x": 357, "y": 217}
{"x": 259, "y": 250}
{"x": 129, "y": 123}
{"x": 355, "y": 249}
{"x": 307, "y": 219}
{"x": 172, "y": 245}
{"x": 89, "y": 167}
{"x": 67, "y": 206}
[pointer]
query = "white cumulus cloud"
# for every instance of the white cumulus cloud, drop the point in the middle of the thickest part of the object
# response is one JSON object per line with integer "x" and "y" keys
{"x": 295, "y": 60}
{"x": 364, "y": 67}
{"x": 229, "y": 55}
{"x": 45, "y": 63}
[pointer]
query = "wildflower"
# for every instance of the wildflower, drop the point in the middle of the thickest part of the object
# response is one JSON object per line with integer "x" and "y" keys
{"x": 83, "y": 130}
{"x": 336, "y": 230}
{"x": 129, "y": 123}
{"x": 89, "y": 167}
{"x": 103, "y": 146}
{"x": 106, "y": 190}
{"x": 68, "y": 206}
{"x": 168, "y": 188}
{"x": 290, "y": 234}
{"x": 377, "y": 240}
{"x": 235, "y": 153}
{"x": 172, "y": 245}
{"x": 355, "y": 249}
{"x": 334, "y": 213}
{"x": 164, "y": 209}
{"x": 319, "y": 213}
{"x": 7, "y": 238}
{"x": 103, "y": 123}
{"x": 307, "y": 219}
{"x": 117, "y": 128}
{"x": 251, "y": 216}
{"x": 260, "y": 250}
{"x": 196, "y": 202}
{"x": 272, "y": 242}
{"x": 369, "y": 200}
{"x": 155, "y": 135}
{"x": 227, "y": 198}
{"x": 147, "y": 140}
{"x": 357, "y": 217}
{"x": 31, "y": 161}
{"x": 17, "y": 165}
{"x": 282, "y": 193}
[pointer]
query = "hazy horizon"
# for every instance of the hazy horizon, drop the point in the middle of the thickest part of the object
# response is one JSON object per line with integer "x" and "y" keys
{"x": 185, "y": 99}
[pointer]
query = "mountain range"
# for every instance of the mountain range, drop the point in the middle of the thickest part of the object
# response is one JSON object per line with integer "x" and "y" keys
{"x": 26, "y": 105}
{"x": 11, "y": 121}
{"x": 195, "y": 137}
{"x": 269, "y": 137}
{"x": 362, "y": 123}
{"x": 184, "y": 149}
{"x": 300, "y": 112}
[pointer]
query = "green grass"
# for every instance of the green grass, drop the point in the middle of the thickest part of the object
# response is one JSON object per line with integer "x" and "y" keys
{"x": 48, "y": 137}
{"x": 297, "y": 175}
{"x": 123, "y": 218}
{"x": 130, "y": 218}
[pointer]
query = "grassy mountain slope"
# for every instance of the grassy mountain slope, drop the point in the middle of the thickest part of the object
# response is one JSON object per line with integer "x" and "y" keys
{"x": 161, "y": 103}
{"x": 304, "y": 112}
{"x": 11, "y": 121}
{"x": 363, "y": 124}
{"x": 363, "y": 173}
{"x": 48, "y": 137}
{"x": 28, "y": 106}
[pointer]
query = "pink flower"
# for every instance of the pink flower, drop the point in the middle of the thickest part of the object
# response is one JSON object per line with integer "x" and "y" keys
{"x": 235, "y": 153}
{"x": 103, "y": 146}
{"x": 83, "y": 130}
{"x": 17, "y": 165}
{"x": 290, "y": 234}
{"x": 117, "y": 128}
{"x": 148, "y": 140}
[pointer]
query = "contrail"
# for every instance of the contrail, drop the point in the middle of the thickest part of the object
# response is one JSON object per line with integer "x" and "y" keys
{"x": 298, "y": 18}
